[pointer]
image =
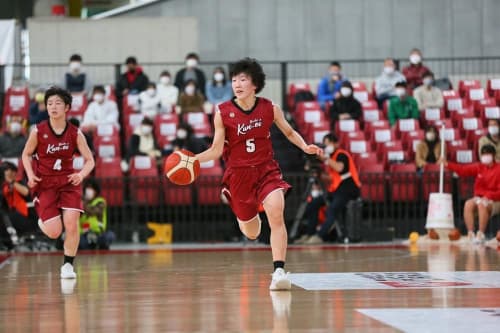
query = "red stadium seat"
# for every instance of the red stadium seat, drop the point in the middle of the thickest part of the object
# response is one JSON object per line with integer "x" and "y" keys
{"x": 410, "y": 138}
{"x": 454, "y": 104}
{"x": 465, "y": 85}
{"x": 166, "y": 129}
{"x": 208, "y": 184}
{"x": 372, "y": 115}
{"x": 107, "y": 146}
{"x": 365, "y": 159}
{"x": 16, "y": 103}
{"x": 359, "y": 146}
{"x": 475, "y": 95}
{"x": 372, "y": 178}
{"x": 489, "y": 112}
{"x": 369, "y": 105}
{"x": 492, "y": 86}
{"x": 406, "y": 125}
{"x": 78, "y": 106}
{"x": 294, "y": 88}
{"x": 144, "y": 180}
{"x": 432, "y": 115}
{"x": 110, "y": 175}
{"x": 362, "y": 95}
{"x": 200, "y": 123}
{"x": 403, "y": 182}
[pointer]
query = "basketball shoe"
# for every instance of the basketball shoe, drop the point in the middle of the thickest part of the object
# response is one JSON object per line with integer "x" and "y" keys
{"x": 280, "y": 280}
{"x": 68, "y": 286}
{"x": 67, "y": 271}
{"x": 480, "y": 238}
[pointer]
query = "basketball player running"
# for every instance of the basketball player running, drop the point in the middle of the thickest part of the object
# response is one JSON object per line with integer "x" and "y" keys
{"x": 252, "y": 177}
{"x": 56, "y": 187}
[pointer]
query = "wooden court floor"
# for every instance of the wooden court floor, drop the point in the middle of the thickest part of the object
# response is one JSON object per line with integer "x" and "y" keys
{"x": 392, "y": 288}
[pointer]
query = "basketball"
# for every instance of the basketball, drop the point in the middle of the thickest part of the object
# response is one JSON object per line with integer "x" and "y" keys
{"x": 454, "y": 235}
{"x": 181, "y": 167}
{"x": 433, "y": 234}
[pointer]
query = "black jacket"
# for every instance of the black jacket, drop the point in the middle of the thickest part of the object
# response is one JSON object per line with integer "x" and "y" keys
{"x": 348, "y": 105}
{"x": 139, "y": 84}
{"x": 200, "y": 80}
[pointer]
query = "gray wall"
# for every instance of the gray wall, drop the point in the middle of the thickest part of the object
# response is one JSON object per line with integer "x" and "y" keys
{"x": 341, "y": 29}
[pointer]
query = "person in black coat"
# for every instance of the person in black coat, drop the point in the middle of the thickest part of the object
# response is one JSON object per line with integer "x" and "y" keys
{"x": 133, "y": 80}
{"x": 191, "y": 72}
{"x": 345, "y": 106}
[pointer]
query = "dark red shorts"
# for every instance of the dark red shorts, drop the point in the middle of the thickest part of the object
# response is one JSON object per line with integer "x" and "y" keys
{"x": 54, "y": 194}
{"x": 246, "y": 188}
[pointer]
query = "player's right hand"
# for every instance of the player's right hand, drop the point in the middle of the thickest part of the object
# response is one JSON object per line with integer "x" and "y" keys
{"x": 32, "y": 181}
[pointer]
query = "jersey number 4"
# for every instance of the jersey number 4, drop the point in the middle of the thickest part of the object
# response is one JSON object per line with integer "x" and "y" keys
{"x": 57, "y": 165}
{"x": 250, "y": 145}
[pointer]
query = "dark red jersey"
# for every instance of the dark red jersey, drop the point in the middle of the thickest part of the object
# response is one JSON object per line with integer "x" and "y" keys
{"x": 248, "y": 137}
{"x": 54, "y": 153}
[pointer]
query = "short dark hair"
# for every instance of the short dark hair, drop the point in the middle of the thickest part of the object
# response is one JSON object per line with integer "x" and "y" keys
{"x": 401, "y": 84}
{"x": 75, "y": 57}
{"x": 131, "y": 60}
{"x": 165, "y": 73}
{"x": 58, "y": 91}
{"x": 335, "y": 63}
{"x": 152, "y": 84}
{"x": 99, "y": 88}
{"x": 495, "y": 120}
{"x": 6, "y": 165}
{"x": 347, "y": 84}
{"x": 488, "y": 149}
{"x": 191, "y": 81}
{"x": 428, "y": 73}
{"x": 331, "y": 137}
{"x": 253, "y": 69}
{"x": 147, "y": 121}
{"x": 193, "y": 55}
{"x": 92, "y": 183}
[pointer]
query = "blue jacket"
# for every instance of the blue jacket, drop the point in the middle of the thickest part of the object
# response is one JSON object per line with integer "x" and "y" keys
{"x": 218, "y": 93}
{"x": 325, "y": 93}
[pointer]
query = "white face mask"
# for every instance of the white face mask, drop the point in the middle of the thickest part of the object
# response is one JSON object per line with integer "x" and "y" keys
{"x": 75, "y": 66}
{"x": 191, "y": 63}
{"x": 89, "y": 193}
{"x": 388, "y": 70}
{"x": 218, "y": 77}
{"x": 189, "y": 90}
{"x": 345, "y": 91}
{"x": 146, "y": 129}
{"x": 15, "y": 128}
{"x": 98, "y": 98}
{"x": 151, "y": 91}
{"x": 427, "y": 81}
{"x": 315, "y": 193}
{"x": 164, "y": 80}
{"x": 493, "y": 130}
{"x": 486, "y": 158}
{"x": 430, "y": 136}
{"x": 415, "y": 59}
{"x": 329, "y": 150}
{"x": 400, "y": 92}
{"x": 181, "y": 134}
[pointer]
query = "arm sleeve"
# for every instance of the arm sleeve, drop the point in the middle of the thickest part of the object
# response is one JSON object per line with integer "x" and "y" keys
{"x": 464, "y": 169}
{"x": 323, "y": 94}
{"x": 391, "y": 114}
{"x": 356, "y": 111}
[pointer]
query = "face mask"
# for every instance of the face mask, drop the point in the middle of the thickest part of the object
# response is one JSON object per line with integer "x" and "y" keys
{"x": 146, "y": 130}
{"x": 75, "y": 66}
{"x": 40, "y": 97}
{"x": 430, "y": 136}
{"x": 427, "y": 81}
{"x": 189, "y": 90}
{"x": 15, "y": 128}
{"x": 329, "y": 150}
{"x": 89, "y": 193}
{"x": 400, "y": 92}
{"x": 388, "y": 70}
{"x": 151, "y": 92}
{"x": 315, "y": 193}
{"x": 345, "y": 91}
{"x": 493, "y": 130}
{"x": 415, "y": 59}
{"x": 181, "y": 134}
{"x": 486, "y": 158}
{"x": 218, "y": 77}
{"x": 191, "y": 63}
{"x": 165, "y": 80}
{"x": 98, "y": 98}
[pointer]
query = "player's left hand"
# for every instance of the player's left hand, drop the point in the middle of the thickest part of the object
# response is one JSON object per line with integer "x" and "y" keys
{"x": 313, "y": 150}
{"x": 75, "y": 178}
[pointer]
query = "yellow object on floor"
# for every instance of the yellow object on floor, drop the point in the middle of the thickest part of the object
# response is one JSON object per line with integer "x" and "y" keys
{"x": 162, "y": 233}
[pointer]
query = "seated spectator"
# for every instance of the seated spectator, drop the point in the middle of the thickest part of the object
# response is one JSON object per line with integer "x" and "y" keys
{"x": 329, "y": 86}
{"x": 427, "y": 95}
{"x": 429, "y": 149}
{"x": 38, "y": 109}
{"x": 415, "y": 70}
{"x": 143, "y": 141}
{"x": 385, "y": 83}
{"x": 76, "y": 80}
{"x": 100, "y": 111}
{"x": 190, "y": 100}
{"x": 191, "y": 73}
{"x": 185, "y": 139}
{"x": 149, "y": 101}
{"x": 486, "y": 200}
{"x": 492, "y": 138}
{"x": 13, "y": 140}
{"x": 219, "y": 89}
{"x": 168, "y": 93}
{"x": 402, "y": 106}
{"x": 94, "y": 221}
{"x": 345, "y": 106}
{"x": 133, "y": 81}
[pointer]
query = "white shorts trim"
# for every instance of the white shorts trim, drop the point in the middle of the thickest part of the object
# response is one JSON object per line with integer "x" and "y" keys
{"x": 243, "y": 222}
{"x": 277, "y": 189}
{"x": 78, "y": 210}
{"x": 52, "y": 218}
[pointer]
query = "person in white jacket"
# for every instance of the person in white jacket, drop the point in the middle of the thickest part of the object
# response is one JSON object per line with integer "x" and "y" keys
{"x": 168, "y": 93}
{"x": 385, "y": 83}
{"x": 100, "y": 111}
{"x": 149, "y": 101}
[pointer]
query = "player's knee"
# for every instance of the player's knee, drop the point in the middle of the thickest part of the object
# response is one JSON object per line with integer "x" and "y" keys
{"x": 53, "y": 233}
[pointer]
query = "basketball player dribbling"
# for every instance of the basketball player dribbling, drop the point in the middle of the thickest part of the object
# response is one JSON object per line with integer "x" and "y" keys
{"x": 56, "y": 187}
{"x": 253, "y": 177}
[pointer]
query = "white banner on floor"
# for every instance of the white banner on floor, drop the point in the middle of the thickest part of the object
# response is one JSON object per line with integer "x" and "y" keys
{"x": 395, "y": 280}
{"x": 7, "y": 33}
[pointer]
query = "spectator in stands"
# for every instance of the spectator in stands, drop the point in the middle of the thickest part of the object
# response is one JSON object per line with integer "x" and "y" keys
{"x": 219, "y": 88}
{"x": 415, "y": 70}
{"x": 13, "y": 140}
{"x": 191, "y": 73}
{"x": 385, "y": 83}
{"x": 427, "y": 95}
{"x": 38, "y": 110}
{"x": 402, "y": 106}
{"x": 190, "y": 100}
{"x": 492, "y": 138}
{"x": 344, "y": 186}
{"x": 150, "y": 101}
{"x": 185, "y": 139}
{"x": 133, "y": 80}
{"x": 143, "y": 141}
{"x": 429, "y": 149}
{"x": 329, "y": 86}
{"x": 76, "y": 80}
{"x": 486, "y": 200}
{"x": 100, "y": 111}
{"x": 94, "y": 221}
{"x": 345, "y": 106}
{"x": 169, "y": 94}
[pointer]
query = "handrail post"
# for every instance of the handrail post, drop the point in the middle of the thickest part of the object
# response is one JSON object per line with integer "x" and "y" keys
{"x": 284, "y": 83}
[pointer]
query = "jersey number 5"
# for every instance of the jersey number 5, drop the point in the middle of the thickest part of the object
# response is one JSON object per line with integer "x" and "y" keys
{"x": 250, "y": 145}
{"x": 57, "y": 165}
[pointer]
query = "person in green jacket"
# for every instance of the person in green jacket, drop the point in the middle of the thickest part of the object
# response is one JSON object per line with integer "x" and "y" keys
{"x": 93, "y": 223}
{"x": 402, "y": 106}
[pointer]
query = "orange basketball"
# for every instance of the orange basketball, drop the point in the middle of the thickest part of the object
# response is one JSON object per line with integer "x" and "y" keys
{"x": 454, "y": 235}
{"x": 433, "y": 234}
{"x": 181, "y": 167}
